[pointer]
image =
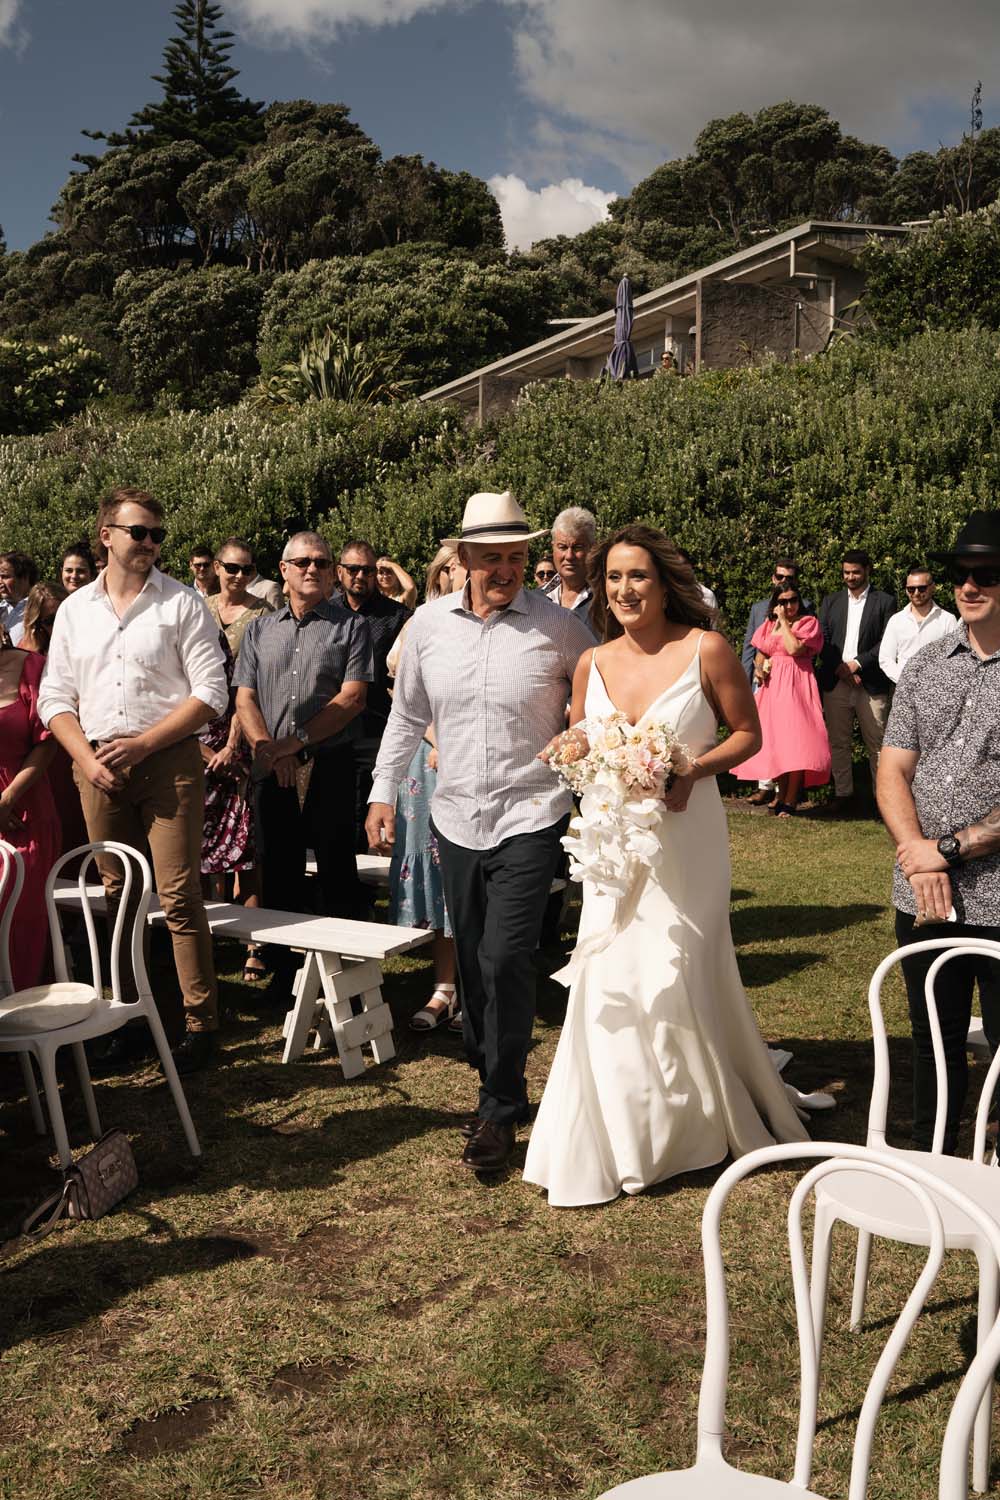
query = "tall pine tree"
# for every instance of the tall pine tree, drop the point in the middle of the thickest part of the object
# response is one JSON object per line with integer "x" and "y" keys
{"x": 200, "y": 102}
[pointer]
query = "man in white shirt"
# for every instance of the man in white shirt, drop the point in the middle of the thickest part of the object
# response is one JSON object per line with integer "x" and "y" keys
{"x": 18, "y": 574}
{"x": 492, "y": 668}
{"x": 915, "y": 626}
{"x": 134, "y": 670}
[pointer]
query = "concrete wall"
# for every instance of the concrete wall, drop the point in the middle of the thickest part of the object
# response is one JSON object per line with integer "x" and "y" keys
{"x": 741, "y": 323}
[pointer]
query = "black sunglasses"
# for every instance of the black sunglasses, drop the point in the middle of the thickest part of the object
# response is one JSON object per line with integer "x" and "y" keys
{"x": 233, "y": 568}
{"x": 792, "y": 599}
{"x": 365, "y": 569}
{"x": 139, "y": 533}
{"x": 917, "y": 588}
{"x": 785, "y": 577}
{"x": 319, "y": 563}
{"x": 984, "y": 578}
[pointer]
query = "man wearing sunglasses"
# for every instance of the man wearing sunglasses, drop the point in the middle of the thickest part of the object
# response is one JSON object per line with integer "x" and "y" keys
{"x": 939, "y": 794}
{"x": 918, "y": 623}
{"x": 301, "y": 681}
{"x": 358, "y": 580}
{"x": 135, "y": 670}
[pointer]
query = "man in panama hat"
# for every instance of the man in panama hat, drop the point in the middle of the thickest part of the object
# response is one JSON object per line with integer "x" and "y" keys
{"x": 491, "y": 667}
{"x": 939, "y": 794}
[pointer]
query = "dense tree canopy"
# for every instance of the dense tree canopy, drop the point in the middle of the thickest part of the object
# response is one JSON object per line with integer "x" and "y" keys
{"x": 214, "y": 234}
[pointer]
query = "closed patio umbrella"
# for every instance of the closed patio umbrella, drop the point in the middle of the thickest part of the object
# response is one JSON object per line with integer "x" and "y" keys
{"x": 622, "y": 364}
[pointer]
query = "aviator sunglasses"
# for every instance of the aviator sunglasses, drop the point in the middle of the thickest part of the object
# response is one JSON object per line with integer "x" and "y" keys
{"x": 319, "y": 563}
{"x": 156, "y": 534}
{"x": 917, "y": 588}
{"x": 986, "y": 577}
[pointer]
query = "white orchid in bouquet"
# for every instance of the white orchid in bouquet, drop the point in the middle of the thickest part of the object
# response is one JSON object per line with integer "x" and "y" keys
{"x": 620, "y": 772}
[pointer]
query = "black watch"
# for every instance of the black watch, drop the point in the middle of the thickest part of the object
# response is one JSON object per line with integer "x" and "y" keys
{"x": 950, "y": 849}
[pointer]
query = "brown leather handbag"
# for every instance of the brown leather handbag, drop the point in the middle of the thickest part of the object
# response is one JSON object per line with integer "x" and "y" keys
{"x": 92, "y": 1186}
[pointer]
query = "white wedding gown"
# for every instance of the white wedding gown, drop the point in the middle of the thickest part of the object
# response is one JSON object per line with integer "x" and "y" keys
{"x": 660, "y": 1068}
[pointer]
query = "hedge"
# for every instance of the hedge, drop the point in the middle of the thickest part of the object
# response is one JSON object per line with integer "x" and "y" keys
{"x": 864, "y": 446}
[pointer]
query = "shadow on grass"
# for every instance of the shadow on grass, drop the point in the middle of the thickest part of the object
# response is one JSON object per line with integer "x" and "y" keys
{"x": 761, "y": 923}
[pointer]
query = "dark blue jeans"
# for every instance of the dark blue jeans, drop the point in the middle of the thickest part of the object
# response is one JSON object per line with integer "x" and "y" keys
{"x": 953, "y": 992}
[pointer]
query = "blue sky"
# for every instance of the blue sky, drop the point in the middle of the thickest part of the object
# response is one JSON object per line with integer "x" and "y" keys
{"x": 560, "y": 103}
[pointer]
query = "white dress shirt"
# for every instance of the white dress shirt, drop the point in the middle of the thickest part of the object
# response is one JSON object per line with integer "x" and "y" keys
{"x": 906, "y": 633}
{"x": 122, "y": 676}
{"x": 855, "y": 609}
{"x": 495, "y": 691}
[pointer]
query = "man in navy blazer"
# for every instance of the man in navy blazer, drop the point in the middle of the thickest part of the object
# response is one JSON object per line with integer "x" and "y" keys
{"x": 852, "y": 682}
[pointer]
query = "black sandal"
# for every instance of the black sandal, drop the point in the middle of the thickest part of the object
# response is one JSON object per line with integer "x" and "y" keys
{"x": 253, "y": 969}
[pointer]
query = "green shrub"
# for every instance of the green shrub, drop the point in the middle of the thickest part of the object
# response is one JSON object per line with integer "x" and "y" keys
{"x": 947, "y": 276}
{"x": 42, "y": 384}
{"x": 886, "y": 448}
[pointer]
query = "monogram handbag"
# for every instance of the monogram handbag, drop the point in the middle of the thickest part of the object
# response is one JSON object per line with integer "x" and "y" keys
{"x": 92, "y": 1186}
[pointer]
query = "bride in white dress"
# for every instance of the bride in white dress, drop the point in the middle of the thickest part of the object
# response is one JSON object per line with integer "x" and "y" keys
{"x": 660, "y": 1068}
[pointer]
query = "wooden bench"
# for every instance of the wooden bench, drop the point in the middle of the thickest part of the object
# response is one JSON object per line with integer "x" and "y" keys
{"x": 343, "y": 963}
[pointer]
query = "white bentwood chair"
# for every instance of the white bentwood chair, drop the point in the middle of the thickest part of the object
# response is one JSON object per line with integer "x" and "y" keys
{"x": 712, "y": 1478}
{"x": 889, "y": 1214}
{"x": 36, "y": 1022}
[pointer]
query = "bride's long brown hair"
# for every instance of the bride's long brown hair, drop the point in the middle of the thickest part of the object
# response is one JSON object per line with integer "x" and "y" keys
{"x": 684, "y": 603}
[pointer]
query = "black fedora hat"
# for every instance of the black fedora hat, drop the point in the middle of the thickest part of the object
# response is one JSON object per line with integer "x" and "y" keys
{"x": 979, "y": 537}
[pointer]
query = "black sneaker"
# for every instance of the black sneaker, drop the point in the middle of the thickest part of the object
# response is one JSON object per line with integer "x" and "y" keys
{"x": 198, "y": 1050}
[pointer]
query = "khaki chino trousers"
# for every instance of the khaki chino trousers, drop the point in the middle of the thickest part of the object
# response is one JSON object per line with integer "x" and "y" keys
{"x": 844, "y": 702}
{"x": 161, "y": 808}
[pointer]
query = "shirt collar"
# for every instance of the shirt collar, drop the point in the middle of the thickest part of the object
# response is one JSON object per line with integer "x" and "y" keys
{"x": 323, "y": 609}
{"x": 155, "y": 579}
{"x": 861, "y": 597}
{"x": 958, "y": 640}
{"x": 519, "y": 603}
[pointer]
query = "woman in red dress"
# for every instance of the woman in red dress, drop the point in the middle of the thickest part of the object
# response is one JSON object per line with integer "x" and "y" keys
{"x": 28, "y": 817}
{"x": 796, "y": 749}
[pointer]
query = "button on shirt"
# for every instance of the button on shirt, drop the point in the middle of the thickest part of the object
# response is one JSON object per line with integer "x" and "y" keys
{"x": 947, "y": 707}
{"x": 495, "y": 691}
{"x": 296, "y": 666}
{"x": 907, "y": 633}
{"x": 122, "y": 676}
{"x": 855, "y": 609}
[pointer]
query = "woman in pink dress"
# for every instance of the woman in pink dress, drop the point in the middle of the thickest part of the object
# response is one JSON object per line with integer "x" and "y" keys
{"x": 28, "y": 817}
{"x": 795, "y": 749}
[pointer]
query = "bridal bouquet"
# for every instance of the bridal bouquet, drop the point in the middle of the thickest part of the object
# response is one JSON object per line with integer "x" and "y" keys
{"x": 620, "y": 782}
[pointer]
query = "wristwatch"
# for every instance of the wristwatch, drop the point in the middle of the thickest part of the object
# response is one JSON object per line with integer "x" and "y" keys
{"x": 302, "y": 736}
{"x": 950, "y": 849}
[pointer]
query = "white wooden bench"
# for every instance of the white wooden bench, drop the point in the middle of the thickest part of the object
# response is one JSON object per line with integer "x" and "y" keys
{"x": 343, "y": 962}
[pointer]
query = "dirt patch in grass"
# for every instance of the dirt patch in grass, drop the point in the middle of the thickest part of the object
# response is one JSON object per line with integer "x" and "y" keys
{"x": 409, "y": 1307}
{"x": 174, "y": 1431}
{"x": 292, "y": 1382}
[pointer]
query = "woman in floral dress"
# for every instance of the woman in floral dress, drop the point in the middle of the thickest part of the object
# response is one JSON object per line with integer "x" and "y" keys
{"x": 228, "y": 835}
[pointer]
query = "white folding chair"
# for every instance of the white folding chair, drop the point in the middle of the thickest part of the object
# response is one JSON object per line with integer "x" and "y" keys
{"x": 36, "y": 1022}
{"x": 712, "y": 1478}
{"x": 861, "y": 1202}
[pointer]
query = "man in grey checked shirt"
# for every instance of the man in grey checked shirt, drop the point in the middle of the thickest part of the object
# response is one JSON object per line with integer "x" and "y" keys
{"x": 939, "y": 794}
{"x": 301, "y": 681}
{"x": 491, "y": 667}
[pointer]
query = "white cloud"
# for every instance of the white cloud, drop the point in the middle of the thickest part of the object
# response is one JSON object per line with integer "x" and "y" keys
{"x": 531, "y": 214}
{"x": 646, "y": 75}
{"x": 311, "y": 20}
{"x": 11, "y": 34}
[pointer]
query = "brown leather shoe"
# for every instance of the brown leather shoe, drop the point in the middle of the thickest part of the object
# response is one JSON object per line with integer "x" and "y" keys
{"x": 762, "y": 797}
{"x": 490, "y": 1148}
{"x": 468, "y": 1125}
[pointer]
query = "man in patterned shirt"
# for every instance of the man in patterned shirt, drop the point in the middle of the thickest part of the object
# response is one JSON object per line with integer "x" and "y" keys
{"x": 939, "y": 793}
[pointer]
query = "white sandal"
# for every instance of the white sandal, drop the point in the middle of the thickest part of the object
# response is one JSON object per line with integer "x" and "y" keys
{"x": 429, "y": 1020}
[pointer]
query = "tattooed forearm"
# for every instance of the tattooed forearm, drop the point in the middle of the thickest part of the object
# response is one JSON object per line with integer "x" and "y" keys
{"x": 982, "y": 838}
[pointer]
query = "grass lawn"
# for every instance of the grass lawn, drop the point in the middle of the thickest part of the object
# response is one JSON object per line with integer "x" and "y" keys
{"x": 329, "y": 1306}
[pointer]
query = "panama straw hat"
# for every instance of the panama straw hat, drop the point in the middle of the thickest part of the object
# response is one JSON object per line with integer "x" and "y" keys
{"x": 493, "y": 518}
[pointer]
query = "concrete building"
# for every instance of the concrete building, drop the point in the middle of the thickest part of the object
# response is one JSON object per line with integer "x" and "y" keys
{"x": 781, "y": 297}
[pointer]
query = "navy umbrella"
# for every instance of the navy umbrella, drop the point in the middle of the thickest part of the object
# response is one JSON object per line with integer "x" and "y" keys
{"x": 622, "y": 363}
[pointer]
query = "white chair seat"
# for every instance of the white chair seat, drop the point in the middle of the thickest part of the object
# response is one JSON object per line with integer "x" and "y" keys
{"x": 888, "y": 1210}
{"x": 47, "y": 1007}
{"x": 708, "y": 1481}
